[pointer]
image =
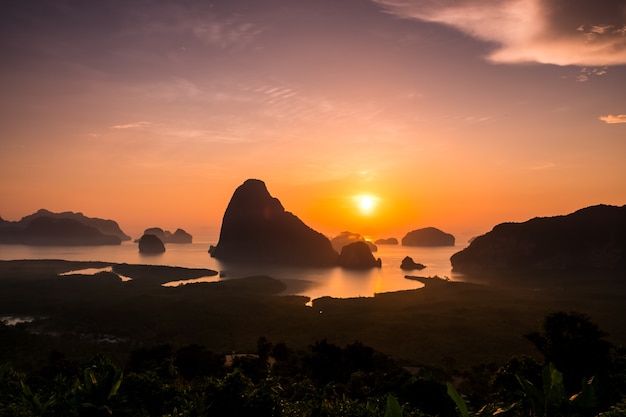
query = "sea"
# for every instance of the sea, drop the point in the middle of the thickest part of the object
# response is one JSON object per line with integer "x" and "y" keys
{"x": 307, "y": 281}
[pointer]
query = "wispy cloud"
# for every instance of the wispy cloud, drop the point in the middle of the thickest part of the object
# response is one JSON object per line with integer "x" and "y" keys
{"x": 226, "y": 33}
{"x": 221, "y": 27}
{"x": 541, "y": 167}
{"x": 134, "y": 125}
{"x": 292, "y": 104}
{"x": 169, "y": 89}
{"x": 478, "y": 119}
{"x": 611, "y": 119}
{"x": 185, "y": 131}
{"x": 561, "y": 32}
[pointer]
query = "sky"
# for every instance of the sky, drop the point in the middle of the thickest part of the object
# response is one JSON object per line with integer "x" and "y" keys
{"x": 455, "y": 114}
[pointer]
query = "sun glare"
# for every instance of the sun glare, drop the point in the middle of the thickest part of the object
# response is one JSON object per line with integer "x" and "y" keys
{"x": 366, "y": 203}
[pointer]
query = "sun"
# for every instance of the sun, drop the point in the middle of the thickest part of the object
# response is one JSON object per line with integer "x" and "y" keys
{"x": 366, "y": 203}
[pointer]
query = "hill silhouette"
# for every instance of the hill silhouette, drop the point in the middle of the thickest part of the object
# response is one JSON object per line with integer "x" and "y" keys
{"x": 588, "y": 239}
{"x": 51, "y": 231}
{"x": 61, "y": 232}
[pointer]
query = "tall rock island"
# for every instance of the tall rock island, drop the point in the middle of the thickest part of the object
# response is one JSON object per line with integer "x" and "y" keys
{"x": 256, "y": 228}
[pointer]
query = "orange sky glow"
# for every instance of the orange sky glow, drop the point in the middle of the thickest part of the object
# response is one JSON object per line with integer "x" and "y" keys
{"x": 442, "y": 113}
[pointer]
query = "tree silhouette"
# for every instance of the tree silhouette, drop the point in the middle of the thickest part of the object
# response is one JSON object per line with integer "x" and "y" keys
{"x": 575, "y": 346}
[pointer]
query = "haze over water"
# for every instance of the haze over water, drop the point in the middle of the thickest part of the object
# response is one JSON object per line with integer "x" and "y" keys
{"x": 334, "y": 282}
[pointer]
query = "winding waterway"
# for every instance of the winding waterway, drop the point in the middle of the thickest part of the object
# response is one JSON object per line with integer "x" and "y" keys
{"x": 312, "y": 282}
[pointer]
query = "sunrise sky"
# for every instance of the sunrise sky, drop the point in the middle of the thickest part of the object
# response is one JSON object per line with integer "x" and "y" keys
{"x": 457, "y": 114}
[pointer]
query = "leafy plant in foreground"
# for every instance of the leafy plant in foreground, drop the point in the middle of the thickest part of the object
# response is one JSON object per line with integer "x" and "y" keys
{"x": 549, "y": 400}
{"x": 34, "y": 403}
{"x": 101, "y": 382}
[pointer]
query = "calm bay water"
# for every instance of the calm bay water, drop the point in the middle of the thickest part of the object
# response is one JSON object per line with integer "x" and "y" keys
{"x": 312, "y": 282}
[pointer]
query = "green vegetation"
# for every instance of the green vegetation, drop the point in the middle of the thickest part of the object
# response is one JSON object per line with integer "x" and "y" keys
{"x": 322, "y": 380}
{"x": 529, "y": 388}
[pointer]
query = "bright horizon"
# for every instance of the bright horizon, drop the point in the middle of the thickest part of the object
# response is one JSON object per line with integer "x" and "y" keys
{"x": 458, "y": 115}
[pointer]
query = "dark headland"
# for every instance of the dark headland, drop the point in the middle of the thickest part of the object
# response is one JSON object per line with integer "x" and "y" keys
{"x": 590, "y": 239}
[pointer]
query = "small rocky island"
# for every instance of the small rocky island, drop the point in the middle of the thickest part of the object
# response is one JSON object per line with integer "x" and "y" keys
{"x": 428, "y": 236}
{"x": 357, "y": 255}
{"x": 345, "y": 238}
{"x": 409, "y": 264}
{"x": 151, "y": 245}
{"x": 45, "y": 228}
{"x": 256, "y": 228}
{"x": 593, "y": 238}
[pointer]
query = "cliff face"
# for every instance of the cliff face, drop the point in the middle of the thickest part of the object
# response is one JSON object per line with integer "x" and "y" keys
{"x": 590, "y": 238}
{"x": 256, "y": 228}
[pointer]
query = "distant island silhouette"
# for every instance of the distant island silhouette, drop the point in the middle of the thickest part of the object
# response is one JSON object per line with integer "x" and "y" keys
{"x": 592, "y": 238}
{"x": 428, "y": 236}
{"x": 45, "y": 228}
{"x": 387, "y": 241}
{"x": 179, "y": 236}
